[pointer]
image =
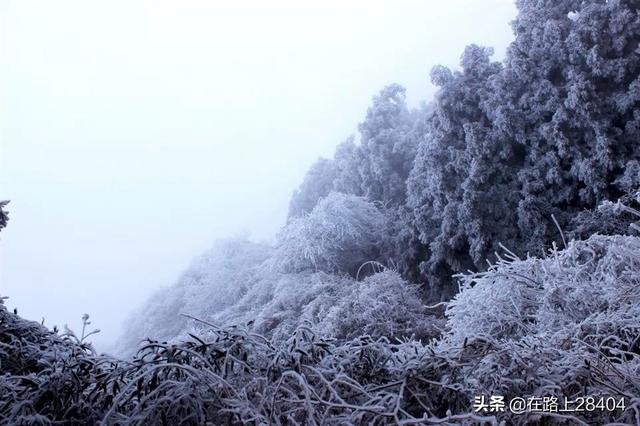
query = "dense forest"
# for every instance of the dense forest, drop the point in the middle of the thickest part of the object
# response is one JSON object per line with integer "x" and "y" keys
{"x": 485, "y": 244}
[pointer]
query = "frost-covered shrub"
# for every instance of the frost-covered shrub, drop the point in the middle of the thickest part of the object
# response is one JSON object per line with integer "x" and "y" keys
{"x": 608, "y": 218}
{"x": 46, "y": 378}
{"x": 564, "y": 325}
{"x": 232, "y": 377}
{"x": 522, "y": 297}
{"x": 338, "y": 235}
{"x": 279, "y": 303}
{"x": 381, "y": 305}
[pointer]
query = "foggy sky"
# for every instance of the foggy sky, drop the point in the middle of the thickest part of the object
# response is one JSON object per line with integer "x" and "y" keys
{"x": 134, "y": 133}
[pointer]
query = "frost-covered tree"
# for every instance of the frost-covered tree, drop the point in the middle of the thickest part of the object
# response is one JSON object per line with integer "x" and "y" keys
{"x": 447, "y": 156}
{"x": 549, "y": 133}
{"x": 318, "y": 182}
{"x": 387, "y": 148}
{"x": 339, "y": 234}
{"x": 571, "y": 91}
{"x": 341, "y": 174}
{"x": 401, "y": 247}
{"x": 376, "y": 169}
{"x": 346, "y": 160}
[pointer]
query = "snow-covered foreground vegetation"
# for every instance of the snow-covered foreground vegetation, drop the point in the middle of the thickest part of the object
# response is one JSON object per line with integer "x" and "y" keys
{"x": 558, "y": 326}
{"x": 484, "y": 245}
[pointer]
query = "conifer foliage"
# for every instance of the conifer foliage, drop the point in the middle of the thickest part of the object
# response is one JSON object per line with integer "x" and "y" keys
{"x": 506, "y": 151}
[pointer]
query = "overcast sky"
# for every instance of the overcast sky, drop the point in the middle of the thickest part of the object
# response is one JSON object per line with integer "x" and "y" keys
{"x": 134, "y": 133}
